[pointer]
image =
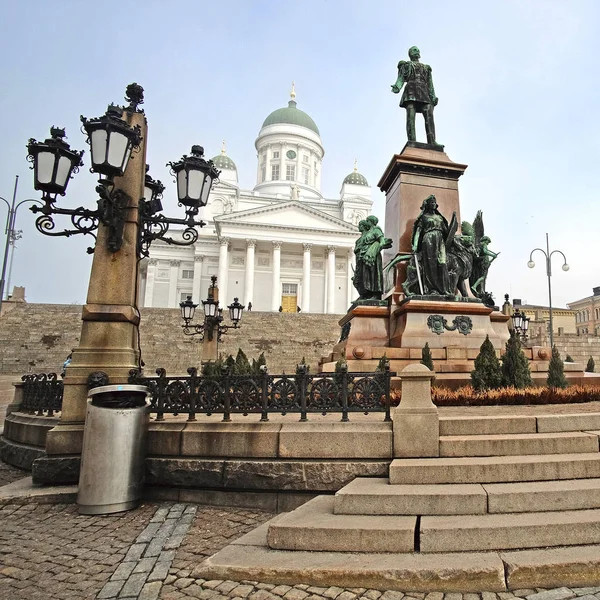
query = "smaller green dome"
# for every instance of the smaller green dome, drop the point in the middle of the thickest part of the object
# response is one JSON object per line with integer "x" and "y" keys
{"x": 222, "y": 161}
{"x": 356, "y": 178}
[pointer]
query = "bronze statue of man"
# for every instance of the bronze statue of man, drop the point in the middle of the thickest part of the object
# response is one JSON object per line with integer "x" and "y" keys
{"x": 419, "y": 94}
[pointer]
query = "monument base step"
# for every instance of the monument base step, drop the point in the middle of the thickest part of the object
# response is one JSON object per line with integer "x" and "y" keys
{"x": 249, "y": 558}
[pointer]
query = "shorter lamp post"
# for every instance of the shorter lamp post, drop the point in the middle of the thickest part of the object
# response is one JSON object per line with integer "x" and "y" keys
{"x": 520, "y": 323}
{"x": 548, "y": 255}
{"x": 213, "y": 320}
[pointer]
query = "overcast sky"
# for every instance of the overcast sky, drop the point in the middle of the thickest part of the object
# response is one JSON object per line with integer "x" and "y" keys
{"x": 517, "y": 81}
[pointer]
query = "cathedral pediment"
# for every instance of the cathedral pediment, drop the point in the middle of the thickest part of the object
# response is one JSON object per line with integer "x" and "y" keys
{"x": 291, "y": 214}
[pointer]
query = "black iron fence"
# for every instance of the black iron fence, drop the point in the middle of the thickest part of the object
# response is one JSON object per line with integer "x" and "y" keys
{"x": 42, "y": 394}
{"x": 265, "y": 394}
{"x": 303, "y": 393}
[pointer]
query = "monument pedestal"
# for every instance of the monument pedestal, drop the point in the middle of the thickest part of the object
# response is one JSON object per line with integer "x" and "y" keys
{"x": 418, "y": 171}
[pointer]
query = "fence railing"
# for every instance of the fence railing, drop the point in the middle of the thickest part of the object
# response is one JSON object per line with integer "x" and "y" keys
{"x": 42, "y": 394}
{"x": 265, "y": 394}
{"x": 302, "y": 393}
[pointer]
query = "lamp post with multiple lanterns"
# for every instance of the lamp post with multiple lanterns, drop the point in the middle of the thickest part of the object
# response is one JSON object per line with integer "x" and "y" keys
{"x": 213, "y": 320}
{"x": 124, "y": 222}
{"x": 565, "y": 267}
{"x": 520, "y": 322}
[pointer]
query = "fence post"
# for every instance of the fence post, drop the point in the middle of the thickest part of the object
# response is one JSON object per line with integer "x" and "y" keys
{"x": 388, "y": 384}
{"x": 226, "y": 396}
{"x": 345, "y": 393}
{"x": 416, "y": 428}
{"x": 264, "y": 415}
{"x": 161, "y": 387}
{"x": 193, "y": 373}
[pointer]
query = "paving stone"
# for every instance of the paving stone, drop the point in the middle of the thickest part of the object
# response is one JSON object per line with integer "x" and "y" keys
{"x": 320, "y": 590}
{"x": 145, "y": 565}
{"x": 347, "y": 595}
{"x": 183, "y": 582}
{"x": 475, "y": 596}
{"x": 392, "y": 595}
{"x": 360, "y": 591}
{"x": 160, "y": 572}
{"x": 333, "y": 592}
{"x": 523, "y": 593}
{"x": 588, "y": 597}
{"x": 315, "y": 597}
{"x": 562, "y": 593}
{"x": 453, "y": 596}
{"x": 123, "y": 571}
{"x": 281, "y": 590}
{"x": 440, "y": 596}
{"x": 111, "y": 589}
{"x": 227, "y": 586}
{"x": 241, "y": 591}
{"x": 265, "y": 586}
{"x": 376, "y": 594}
{"x": 135, "y": 552}
{"x": 150, "y": 591}
{"x": 263, "y": 594}
{"x": 295, "y": 594}
{"x": 584, "y": 591}
{"x": 505, "y": 595}
{"x": 148, "y": 533}
{"x": 133, "y": 586}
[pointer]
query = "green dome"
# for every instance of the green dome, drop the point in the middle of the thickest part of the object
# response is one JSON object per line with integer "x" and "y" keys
{"x": 291, "y": 115}
{"x": 222, "y": 161}
{"x": 356, "y": 178}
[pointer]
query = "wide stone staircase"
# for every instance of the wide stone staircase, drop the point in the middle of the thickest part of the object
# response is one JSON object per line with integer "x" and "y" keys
{"x": 500, "y": 483}
{"x": 512, "y": 502}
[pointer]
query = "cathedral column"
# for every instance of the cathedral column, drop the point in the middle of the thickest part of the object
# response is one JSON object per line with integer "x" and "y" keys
{"x": 276, "y": 283}
{"x": 306, "y": 278}
{"x": 249, "y": 284}
{"x": 330, "y": 280}
{"x": 150, "y": 275}
{"x": 349, "y": 265}
{"x": 173, "y": 277}
{"x": 223, "y": 270}
{"x": 268, "y": 165}
{"x": 198, "y": 262}
{"x": 282, "y": 161}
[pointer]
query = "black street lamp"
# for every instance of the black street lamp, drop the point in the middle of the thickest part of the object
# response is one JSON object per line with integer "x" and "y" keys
{"x": 520, "y": 323}
{"x": 112, "y": 141}
{"x": 213, "y": 315}
{"x": 548, "y": 255}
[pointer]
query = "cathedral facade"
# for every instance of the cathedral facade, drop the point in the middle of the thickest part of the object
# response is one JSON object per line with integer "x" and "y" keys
{"x": 280, "y": 246}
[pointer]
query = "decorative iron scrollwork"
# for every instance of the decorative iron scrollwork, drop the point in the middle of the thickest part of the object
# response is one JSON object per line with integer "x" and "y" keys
{"x": 438, "y": 323}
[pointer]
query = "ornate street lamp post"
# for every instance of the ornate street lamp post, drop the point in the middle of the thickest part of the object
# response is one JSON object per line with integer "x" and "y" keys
{"x": 11, "y": 235}
{"x": 548, "y": 255}
{"x": 125, "y": 221}
{"x": 213, "y": 320}
{"x": 520, "y": 323}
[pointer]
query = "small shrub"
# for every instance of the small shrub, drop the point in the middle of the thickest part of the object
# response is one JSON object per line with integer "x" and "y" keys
{"x": 556, "y": 371}
{"x": 569, "y": 359}
{"x": 383, "y": 363}
{"x": 426, "y": 358}
{"x": 257, "y": 364}
{"x": 591, "y": 365}
{"x": 242, "y": 364}
{"x": 487, "y": 374}
{"x": 515, "y": 366}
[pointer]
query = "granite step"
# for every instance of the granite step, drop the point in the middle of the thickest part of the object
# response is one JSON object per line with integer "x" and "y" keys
{"x": 375, "y": 496}
{"x": 314, "y": 527}
{"x": 515, "y": 444}
{"x": 495, "y": 469}
{"x": 487, "y": 425}
{"x": 540, "y": 496}
{"x": 509, "y": 531}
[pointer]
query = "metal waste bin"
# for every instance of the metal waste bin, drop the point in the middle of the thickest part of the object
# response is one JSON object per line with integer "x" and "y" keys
{"x": 114, "y": 449}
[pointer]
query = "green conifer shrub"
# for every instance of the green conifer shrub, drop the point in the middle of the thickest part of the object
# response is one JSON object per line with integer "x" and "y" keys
{"x": 569, "y": 359}
{"x": 487, "y": 374}
{"x": 515, "y": 367}
{"x": 242, "y": 364}
{"x": 591, "y": 365}
{"x": 556, "y": 371}
{"x": 426, "y": 357}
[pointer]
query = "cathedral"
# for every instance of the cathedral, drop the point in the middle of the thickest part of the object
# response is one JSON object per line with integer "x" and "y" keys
{"x": 280, "y": 246}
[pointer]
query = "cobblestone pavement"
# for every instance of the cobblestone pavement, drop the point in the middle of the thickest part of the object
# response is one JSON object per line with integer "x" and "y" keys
{"x": 10, "y": 474}
{"x": 50, "y": 551}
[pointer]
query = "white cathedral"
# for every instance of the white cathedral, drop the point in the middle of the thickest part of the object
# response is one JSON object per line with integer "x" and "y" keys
{"x": 280, "y": 246}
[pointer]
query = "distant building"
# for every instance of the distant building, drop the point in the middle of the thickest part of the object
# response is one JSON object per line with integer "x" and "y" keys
{"x": 563, "y": 319}
{"x": 587, "y": 313}
{"x": 279, "y": 244}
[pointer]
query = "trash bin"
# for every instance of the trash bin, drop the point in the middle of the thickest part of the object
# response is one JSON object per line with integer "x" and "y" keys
{"x": 114, "y": 449}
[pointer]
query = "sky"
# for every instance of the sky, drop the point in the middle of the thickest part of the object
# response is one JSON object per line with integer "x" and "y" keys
{"x": 517, "y": 81}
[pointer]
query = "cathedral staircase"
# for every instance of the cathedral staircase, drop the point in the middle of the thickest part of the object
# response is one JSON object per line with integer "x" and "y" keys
{"x": 516, "y": 496}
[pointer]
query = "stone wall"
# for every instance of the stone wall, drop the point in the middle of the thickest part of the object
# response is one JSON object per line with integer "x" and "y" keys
{"x": 38, "y": 338}
{"x": 579, "y": 347}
